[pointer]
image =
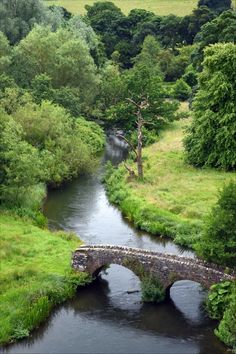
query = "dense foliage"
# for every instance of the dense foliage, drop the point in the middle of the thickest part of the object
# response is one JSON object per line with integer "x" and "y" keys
{"x": 216, "y": 5}
{"x": 218, "y": 243}
{"x": 152, "y": 290}
{"x": 17, "y": 18}
{"x": 221, "y": 305}
{"x": 211, "y": 139}
{"x": 43, "y": 144}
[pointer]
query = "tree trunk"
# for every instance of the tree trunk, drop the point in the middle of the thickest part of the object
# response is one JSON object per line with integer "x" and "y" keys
{"x": 140, "y": 145}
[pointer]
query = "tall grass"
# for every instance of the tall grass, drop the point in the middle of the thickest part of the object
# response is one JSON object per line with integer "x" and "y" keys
{"x": 35, "y": 275}
{"x": 174, "y": 198}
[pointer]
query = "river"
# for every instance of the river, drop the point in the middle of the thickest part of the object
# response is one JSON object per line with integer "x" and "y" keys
{"x": 103, "y": 317}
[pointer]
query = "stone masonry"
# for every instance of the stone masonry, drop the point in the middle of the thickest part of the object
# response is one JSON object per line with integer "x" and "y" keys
{"x": 166, "y": 267}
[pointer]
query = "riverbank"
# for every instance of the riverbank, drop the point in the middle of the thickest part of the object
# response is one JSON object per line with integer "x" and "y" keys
{"x": 174, "y": 197}
{"x": 35, "y": 274}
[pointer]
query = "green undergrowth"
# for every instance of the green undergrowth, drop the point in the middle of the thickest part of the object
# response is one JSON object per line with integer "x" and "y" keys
{"x": 35, "y": 274}
{"x": 221, "y": 305}
{"x": 174, "y": 198}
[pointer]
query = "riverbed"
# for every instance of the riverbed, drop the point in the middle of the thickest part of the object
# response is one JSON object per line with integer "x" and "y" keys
{"x": 105, "y": 317}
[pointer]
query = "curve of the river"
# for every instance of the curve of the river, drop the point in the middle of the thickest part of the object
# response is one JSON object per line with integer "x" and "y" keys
{"x": 103, "y": 317}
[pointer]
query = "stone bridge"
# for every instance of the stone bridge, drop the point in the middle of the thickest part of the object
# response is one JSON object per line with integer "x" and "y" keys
{"x": 166, "y": 267}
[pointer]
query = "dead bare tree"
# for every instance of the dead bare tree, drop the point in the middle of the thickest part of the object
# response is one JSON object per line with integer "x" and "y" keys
{"x": 142, "y": 105}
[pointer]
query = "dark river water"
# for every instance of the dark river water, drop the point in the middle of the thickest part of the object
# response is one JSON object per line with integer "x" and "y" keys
{"x": 103, "y": 317}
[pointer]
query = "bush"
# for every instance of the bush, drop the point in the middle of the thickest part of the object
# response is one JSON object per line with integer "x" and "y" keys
{"x": 218, "y": 243}
{"x": 152, "y": 290}
{"x": 181, "y": 90}
{"x": 221, "y": 305}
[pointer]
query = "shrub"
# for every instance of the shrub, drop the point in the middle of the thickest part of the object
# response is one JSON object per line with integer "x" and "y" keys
{"x": 218, "y": 243}
{"x": 221, "y": 305}
{"x": 181, "y": 90}
{"x": 152, "y": 290}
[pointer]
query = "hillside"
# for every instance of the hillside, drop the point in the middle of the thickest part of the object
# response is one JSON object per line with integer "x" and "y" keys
{"x": 160, "y": 7}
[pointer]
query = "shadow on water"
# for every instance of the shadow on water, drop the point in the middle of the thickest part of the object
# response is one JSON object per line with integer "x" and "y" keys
{"x": 103, "y": 317}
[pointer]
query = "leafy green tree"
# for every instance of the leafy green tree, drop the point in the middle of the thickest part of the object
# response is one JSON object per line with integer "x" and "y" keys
{"x": 17, "y": 18}
{"x": 144, "y": 82}
{"x": 191, "y": 24}
{"x": 112, "y": 89}
{"x": 65, "y": 59}
{"x": 181, "y": 90}
{"x": 212, "y": 136}
{"x": 21, "y": 167}
{"x": 64, "y": 151}
{"x": 218, "y": 243}
{"x": 149, "y": 55}
{"x": 80, "y": 29}
{"x": 216, "y": 5}
{"x": 107, "y": 21}
{"x": 190, "y": 76}
{"x": 41, "y": 88}
{"x": 65, "y": 13}
{"x": 5, "y": 53}
{"x": 6, "y": 82}
{"x": 220, "y": 30}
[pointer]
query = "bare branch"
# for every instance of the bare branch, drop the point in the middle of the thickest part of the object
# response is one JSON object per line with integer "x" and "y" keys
{"x": 128, "y": 142}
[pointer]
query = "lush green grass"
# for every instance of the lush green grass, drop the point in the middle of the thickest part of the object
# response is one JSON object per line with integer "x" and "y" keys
{"x": 160, "y": 7}
{"x": 35, "y": 274}
{"x": 174, "y": 197}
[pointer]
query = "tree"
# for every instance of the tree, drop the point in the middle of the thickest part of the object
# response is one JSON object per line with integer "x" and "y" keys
{"x": 191, "y": 24}
{"x": 220, "y": 30}
{"x": 218, "y": 243}
{"x": 59, "y": 55}
{"x": 109, "y": 22}
{"x": 17, "y": 18}
{"x": 80, "y": 29}
{"x": 58, "y": 137}
{"x": 211, "y": 139}
{"x": 181, "y": 90}
{"x": 5, "y": 53}
{"x": 21, "y": 167}
{"x": 216, "y": 5}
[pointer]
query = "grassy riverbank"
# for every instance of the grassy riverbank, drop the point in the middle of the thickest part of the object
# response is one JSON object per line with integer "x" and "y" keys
{"x": 35, "y": 274}
{"x": 160, "y": 7}
{"x": 174, "y": 197}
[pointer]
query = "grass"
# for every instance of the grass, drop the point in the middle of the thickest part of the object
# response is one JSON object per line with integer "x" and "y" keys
{"x": 35, "y": 275}
{"x": 174, "y": 198}
{"x": 160, "y": 7}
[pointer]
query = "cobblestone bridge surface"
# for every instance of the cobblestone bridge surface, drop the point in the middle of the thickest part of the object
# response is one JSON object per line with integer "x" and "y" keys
{"x": 166, "y": 267}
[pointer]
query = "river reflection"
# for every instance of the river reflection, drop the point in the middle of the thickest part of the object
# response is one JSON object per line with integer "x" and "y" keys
{"x": 103, "y": 317}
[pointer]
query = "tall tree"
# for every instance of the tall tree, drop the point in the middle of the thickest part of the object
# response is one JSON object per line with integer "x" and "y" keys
{"x": 18, "y": 17}
{"x": 222, "y": 29}
{"x": 216, "y": 5}
{"x": 212, "y": 136}
{"x": 64, "y": 58}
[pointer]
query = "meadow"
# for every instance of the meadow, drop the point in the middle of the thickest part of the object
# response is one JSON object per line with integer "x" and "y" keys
{"x": 160, "y": 7}
{"x": 35, "y": 274}
{"x": 174, "y": 198}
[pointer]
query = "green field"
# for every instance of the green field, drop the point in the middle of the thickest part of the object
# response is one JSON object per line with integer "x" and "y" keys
{"x": 160, "y": 7}
{"x": 35, "y": 274}
{"x": 174, "y": 198}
